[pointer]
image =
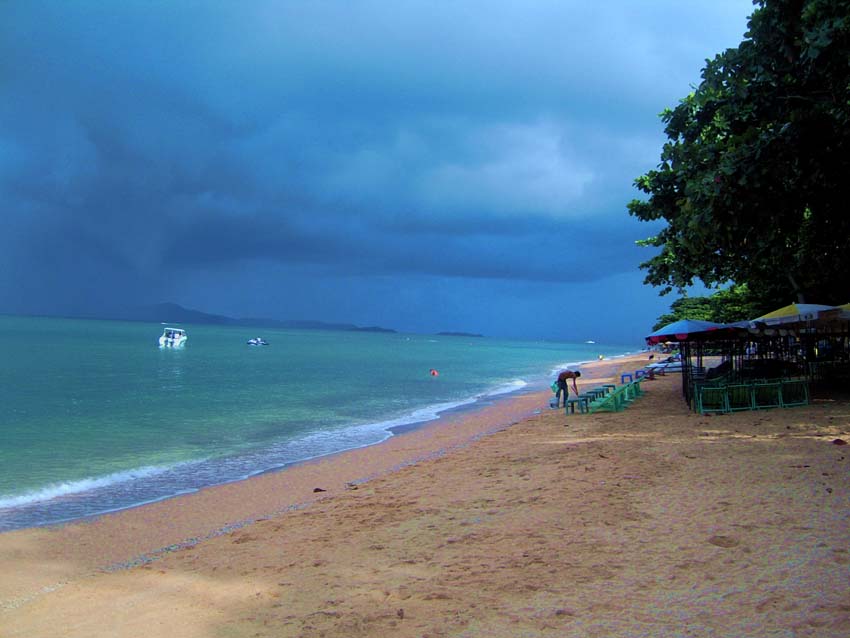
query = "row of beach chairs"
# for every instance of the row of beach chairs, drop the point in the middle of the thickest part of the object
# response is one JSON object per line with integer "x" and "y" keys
{"x": 723, "y": 397}
{"x": 604, "y": 398}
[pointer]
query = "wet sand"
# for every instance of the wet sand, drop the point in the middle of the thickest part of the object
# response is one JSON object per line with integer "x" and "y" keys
{"x": 498, "y": 522}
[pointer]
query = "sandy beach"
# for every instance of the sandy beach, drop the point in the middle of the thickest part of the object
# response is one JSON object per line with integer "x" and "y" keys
{"x": 511, "y": 520}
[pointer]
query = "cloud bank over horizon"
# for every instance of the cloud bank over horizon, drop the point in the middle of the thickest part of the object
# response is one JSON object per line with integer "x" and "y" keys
{"x": 463, "y": 167}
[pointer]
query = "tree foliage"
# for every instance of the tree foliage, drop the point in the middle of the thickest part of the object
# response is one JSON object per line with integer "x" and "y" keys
{"x": 736, "y": 303}
{"x": 754, "y": 181}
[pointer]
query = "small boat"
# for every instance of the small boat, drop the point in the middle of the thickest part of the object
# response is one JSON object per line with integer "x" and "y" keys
{"x": 257, "y": 341}
{"x": 172, "y": 338}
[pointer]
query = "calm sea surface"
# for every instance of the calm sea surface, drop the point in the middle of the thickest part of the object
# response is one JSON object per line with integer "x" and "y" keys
{"x": 95, "y": 417}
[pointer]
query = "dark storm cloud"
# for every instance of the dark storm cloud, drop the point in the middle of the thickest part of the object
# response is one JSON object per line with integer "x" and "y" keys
{"x": 475, "y": 246}
{"x": 472, "y": 141}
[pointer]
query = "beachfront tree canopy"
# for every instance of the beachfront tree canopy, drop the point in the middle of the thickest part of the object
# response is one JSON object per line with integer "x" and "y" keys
{"x": 754, "y": 181}
{"x": 735, "y": 303}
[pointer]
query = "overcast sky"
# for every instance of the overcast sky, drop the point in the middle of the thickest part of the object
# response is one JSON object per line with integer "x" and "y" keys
{"x": 422, "y": 166}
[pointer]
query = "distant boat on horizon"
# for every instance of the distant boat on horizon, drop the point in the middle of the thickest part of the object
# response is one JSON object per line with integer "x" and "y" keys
{"x": 172, "y": 338}
{"x": 590, "y": 341}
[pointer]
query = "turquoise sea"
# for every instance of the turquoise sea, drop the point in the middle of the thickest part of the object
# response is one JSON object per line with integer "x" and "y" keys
{"x": 95, "y": 417}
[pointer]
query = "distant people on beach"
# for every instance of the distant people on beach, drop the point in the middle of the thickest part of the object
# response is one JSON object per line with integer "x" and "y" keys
{"x": 562, "y": 385}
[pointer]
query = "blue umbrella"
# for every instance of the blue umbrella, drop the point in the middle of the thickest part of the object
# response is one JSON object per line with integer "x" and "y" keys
{"x": 681, "y": 330}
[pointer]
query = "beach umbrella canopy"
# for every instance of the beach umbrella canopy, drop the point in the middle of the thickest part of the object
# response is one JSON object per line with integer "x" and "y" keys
{"x": 843, "y": 311}
{"x": 793, "y": 313}
{"x": 682, "y": 330}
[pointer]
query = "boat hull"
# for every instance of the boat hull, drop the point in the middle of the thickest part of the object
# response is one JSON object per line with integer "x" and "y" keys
{"x": 171, "y": 343}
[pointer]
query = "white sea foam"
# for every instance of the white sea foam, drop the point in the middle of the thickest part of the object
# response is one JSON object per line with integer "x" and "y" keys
{"x": 569, "y": 365}
{"x": 72, "y": 488}
{"x": 421, "y": 415}
{"x": 433, "y": 412}
{"x": 507, "y": 388}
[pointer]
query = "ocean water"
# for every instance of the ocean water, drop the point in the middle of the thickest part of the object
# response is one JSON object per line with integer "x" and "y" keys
{"x": 95, "y": 417}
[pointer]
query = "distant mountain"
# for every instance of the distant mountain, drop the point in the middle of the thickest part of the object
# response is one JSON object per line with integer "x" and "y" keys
{"x": 372, "y": 329}
{"x": 169, "y": 313}
{"x": 174, "y": 313}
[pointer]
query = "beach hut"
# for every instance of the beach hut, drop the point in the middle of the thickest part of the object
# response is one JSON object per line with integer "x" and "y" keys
{"x": 793, "y": 346}
{"x": 813, "y": 337}
{"x": 697, "y": 340}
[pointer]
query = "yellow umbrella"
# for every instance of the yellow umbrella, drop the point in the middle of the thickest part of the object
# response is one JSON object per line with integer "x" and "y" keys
{"x": 794, "y": 312}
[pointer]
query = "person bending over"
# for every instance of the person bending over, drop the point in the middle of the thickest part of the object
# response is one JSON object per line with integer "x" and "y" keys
{"x": 562, "y": 385}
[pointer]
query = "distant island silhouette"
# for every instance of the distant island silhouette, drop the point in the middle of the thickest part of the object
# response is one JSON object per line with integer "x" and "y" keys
{"x": 168, "y": 312}
{"x": 175, "y": 313}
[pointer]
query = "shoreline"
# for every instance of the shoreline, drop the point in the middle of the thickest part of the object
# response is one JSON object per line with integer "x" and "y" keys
{"x": 652, "y": 521}
{"x": 141, "y": 533}
{"x": 420, "y": 418}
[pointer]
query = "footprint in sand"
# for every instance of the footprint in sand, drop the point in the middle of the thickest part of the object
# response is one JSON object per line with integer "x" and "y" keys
{"x": 724, "y": 541}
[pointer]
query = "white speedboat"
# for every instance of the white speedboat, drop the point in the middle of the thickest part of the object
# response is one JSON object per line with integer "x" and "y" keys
{"x": 257, "y": 341}
{"x": 172, "y": 338}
